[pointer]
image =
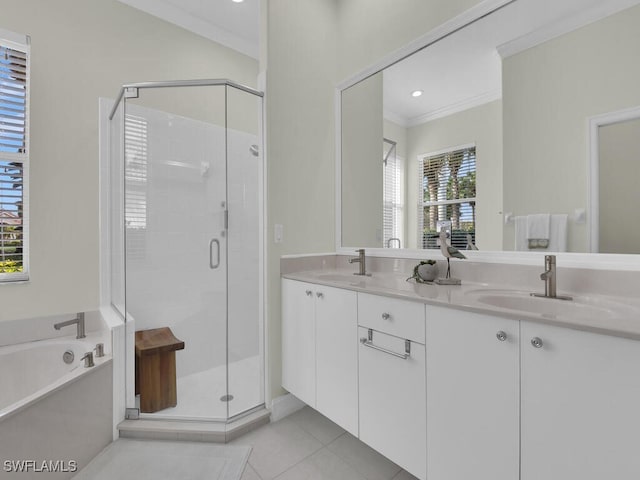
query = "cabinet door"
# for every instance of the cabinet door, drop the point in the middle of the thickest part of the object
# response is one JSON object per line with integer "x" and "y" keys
{"x": 472, "y": 396}
{"x": 392, "y": 401}
{"x": 298, "y": 340}
{"x": 337, "y": 356}
{"x": 580, "y": 404}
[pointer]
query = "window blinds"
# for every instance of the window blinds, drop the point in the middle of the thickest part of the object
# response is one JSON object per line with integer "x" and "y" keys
{"x": 393, "y": 194}
{"x": 13, "y": 160}
{"x": 448, "y": 186}
{"x": 13, "y": 100}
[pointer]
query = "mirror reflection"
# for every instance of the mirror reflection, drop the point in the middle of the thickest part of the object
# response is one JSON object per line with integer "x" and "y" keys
{"x": 485, "y": 134}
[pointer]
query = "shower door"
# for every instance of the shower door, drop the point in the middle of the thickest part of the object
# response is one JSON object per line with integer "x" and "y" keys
{"x": 176, "y": 243}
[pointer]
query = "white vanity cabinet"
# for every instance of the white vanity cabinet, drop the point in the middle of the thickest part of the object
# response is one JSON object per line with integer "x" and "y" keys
{"x": 580, "y": 405}
{"x": 472, "y": 395}
{"x": 299, "y": 340}
{"x": 320, "y": 349}
{"x": 392, "y": 380}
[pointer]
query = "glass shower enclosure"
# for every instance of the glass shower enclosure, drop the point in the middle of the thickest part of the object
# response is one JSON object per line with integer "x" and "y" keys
{"x": 186, "y": 184}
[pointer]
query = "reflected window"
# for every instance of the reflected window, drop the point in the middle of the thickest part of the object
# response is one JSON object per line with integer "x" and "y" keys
{"x": 448, "y": 188}
{"x": 393, "y": 194}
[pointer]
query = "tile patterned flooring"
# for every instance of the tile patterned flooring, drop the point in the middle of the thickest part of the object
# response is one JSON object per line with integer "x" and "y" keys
{"x": 308, "y": 446}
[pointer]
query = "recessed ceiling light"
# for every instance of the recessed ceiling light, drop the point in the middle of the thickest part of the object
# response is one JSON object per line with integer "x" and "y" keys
{"x": 238, "y": 1}
{"x": 416, "y": 93}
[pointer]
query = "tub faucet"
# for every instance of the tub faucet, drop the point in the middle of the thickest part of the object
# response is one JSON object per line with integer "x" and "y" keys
{"x": 88, "y": 360}
{"x": 361, "y": 260}
{"x": 79, "y": 321}
{"x": 549, "y": 278}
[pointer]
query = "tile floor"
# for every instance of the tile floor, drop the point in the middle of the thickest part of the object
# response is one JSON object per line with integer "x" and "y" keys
{"x": 308, "y": 446}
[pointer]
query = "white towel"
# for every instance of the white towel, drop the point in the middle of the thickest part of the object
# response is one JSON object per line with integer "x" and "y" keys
{"x": 521, "y": 233}
{"x": 557, "y": 234}
{"x": 538, "y": 230}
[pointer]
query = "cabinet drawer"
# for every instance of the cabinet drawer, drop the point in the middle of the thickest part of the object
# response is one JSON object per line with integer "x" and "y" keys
{"x": 389, "y": 315}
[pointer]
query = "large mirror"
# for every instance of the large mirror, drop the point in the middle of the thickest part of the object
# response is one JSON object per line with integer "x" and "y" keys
{"x": 490, "y": 134}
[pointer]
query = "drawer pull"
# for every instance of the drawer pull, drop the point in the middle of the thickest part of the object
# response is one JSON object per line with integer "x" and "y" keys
{"x": 320, "y": 295}
{"x": 309, "y": 293}
{"x": 502, "y": 336}
{"x": 386, "y": 316}
{"x": 368, "y": 342}
{"x": 537, "y": 342}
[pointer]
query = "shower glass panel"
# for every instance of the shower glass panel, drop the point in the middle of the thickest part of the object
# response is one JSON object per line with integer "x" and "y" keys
{"x": 116, "y": 202}
{"x": 190, "y": 205}
{"x": 244, "y": 189}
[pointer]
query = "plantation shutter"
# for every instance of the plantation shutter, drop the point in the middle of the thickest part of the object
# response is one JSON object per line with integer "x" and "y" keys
{"x": 14, "y": 141}
{"x": 448, "y": 187}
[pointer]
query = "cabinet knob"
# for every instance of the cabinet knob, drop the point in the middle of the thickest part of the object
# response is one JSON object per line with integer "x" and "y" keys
{"x": 386, "y": 316}
{"x": 320, "y": 295}
{"x": 502, "y": 336}
{"x": 536, "y": 342}
{"x": 309, "y": 293}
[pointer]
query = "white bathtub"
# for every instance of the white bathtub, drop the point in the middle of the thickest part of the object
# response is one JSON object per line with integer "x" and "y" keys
{"x": 30, "y": 371}
{"x": 51, "y": 411}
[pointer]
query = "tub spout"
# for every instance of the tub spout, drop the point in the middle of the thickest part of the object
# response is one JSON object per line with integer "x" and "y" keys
{"x": 79, "y": 321}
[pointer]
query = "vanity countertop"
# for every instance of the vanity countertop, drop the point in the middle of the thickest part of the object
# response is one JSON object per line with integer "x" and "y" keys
{"x": 602, "y": 314}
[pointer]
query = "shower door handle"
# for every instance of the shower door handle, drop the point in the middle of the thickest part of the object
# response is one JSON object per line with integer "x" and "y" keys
{"x": 211, "y": 264}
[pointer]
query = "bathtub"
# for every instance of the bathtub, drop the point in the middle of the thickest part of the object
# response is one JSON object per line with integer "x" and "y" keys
{"x": 50, "y": 411}
{"x": 30, "y": 371}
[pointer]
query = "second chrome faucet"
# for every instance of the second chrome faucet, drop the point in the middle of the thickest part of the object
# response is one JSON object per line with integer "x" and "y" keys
{"x": 361, "y": 260}
{"x": 549, "y": 278}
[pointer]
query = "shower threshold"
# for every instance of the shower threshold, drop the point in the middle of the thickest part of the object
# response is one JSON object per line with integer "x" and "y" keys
{"x": 195, "y": 430}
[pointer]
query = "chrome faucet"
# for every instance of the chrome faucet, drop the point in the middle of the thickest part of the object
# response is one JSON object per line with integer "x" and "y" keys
{"x": 549, "y": 278}
{"x": 79, "y": 321}
{"x": 361, "y": 260}
{"x": 88, "y": 360}
{"x": 394, "y": 239}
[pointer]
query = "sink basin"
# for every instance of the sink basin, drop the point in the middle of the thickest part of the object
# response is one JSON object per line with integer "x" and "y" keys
{"x": 546, "y": 307}
{"x": 339, "y": 277}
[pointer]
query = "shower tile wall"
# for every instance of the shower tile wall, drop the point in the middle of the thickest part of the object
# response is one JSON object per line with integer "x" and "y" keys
{"x": 175, "y": 188}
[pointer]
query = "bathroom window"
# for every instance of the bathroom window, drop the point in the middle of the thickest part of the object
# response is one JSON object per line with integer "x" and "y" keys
{"x": 393, "y": 194}
{"x": 14, "y": 156}
{"x": 448, "y": 187}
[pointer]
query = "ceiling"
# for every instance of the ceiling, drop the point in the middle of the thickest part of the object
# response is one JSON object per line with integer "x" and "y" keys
{"x": 234, "y": 25}
{"x": 465, "y": 69}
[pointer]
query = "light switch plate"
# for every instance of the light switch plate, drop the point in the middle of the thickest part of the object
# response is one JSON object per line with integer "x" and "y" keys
{"x": 278, "y": 233}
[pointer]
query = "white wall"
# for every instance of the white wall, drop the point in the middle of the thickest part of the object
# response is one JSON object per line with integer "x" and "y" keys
{"x": 619, "y": 194}
{"x": 82, "y": 50}
{"x": 362, "y": 170}
{"x": 312, "y": 46}
{"x": 480, "y": 125}
{"x": 549, "y": 91}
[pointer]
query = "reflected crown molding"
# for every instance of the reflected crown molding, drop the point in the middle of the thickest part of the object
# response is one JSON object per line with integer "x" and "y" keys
{"x": 465, "y": 104}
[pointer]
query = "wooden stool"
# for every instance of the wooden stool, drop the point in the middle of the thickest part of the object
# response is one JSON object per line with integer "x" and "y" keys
{"x": 156, "y": 368}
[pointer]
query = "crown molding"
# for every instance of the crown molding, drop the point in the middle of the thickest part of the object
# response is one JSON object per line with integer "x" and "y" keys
{"x": 566, "y": 25}
{"x": 176, "y": 16}
{"x": 447, "y": 110}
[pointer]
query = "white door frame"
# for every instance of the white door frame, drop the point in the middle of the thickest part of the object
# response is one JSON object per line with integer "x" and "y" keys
{"x": 594, "y": 123}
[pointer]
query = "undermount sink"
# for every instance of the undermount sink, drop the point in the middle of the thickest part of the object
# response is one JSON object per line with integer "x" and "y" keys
{"x": 544, "y": 306}
{"x": 339, "y": 277}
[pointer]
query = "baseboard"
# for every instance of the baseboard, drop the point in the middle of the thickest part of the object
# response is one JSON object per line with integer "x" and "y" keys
{"x": 285, "y": 405}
